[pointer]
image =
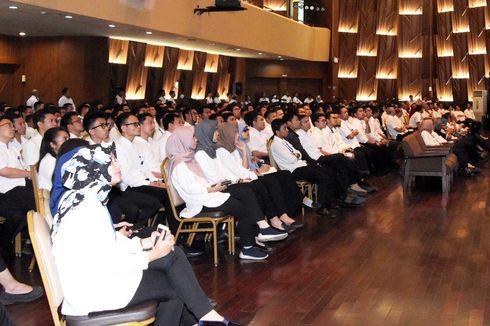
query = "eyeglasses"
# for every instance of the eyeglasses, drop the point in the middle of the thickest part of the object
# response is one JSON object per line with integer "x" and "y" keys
{"x": 10, "y": 125}
{"x": 136, "y": 124}
{"x": 102, "y": 125}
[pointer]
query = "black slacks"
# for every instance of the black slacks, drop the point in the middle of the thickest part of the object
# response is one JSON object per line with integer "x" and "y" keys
{"x": 244, "y": 206}
{"x": 317, "y": 174}
{"x": 5, "y": 319}
{"x": 286, "y": 192}
{"x": 171, "y": 281}
{"x": 3, "y": 266}
{"x": 137, "y": 207}
{"x": 14, "y": 206}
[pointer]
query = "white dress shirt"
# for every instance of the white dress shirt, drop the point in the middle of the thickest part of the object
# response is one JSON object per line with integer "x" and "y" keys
{"x": 297, "y": 100}
{"x": 415, "y": 119}
{"x": 45, "y": 174}
{"x": 375, "y": 129}
{"x": 30, "y": 149}
{"x": 284, "y": 155}
{"x": 311, "y": 147}
{"x": 99, "y": 269}
{"x": 32, "y": 100}
{"x": 30, "y": 132}
{"x": 63, "y": 100}
{"x": 470, "y": 114}
{"x": 360, "y": 125}
{"x": 258, "y": 140}
{"x": 308, "y": 100}
{"x": 132, "y": 169}
{"x": 264, "y": 99}
{"x": 392, "y": 122}
{"x": 213, "y": 169}
{"x": 114, "y": 134}
{"x": 233, "y": 162}
{"x": 162, "y": 145}
{"x": 432, "y": 138}
{"x": 10, "y": 158}
{"x": 16, "y": 145}
{"x": 193, "y": 190}
{"x": 144, "y": 148}
{"x": 286, "y": 99}
{"x": 345, "y": 130}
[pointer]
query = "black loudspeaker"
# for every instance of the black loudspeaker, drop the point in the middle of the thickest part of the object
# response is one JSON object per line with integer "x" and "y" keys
{"x": 228, "y": 4}
{"x": 237, "y": 89}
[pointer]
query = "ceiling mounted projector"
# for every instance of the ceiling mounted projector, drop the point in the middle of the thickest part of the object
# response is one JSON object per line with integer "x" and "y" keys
{"x": 221, "y": 6}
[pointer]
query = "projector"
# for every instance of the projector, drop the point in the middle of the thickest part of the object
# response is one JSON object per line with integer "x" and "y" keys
{"x": 227, "y": 4}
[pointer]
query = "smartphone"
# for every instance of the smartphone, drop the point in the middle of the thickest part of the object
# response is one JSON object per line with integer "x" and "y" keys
{"x": 162, "y": 229}
{"x": 226, "y": 183}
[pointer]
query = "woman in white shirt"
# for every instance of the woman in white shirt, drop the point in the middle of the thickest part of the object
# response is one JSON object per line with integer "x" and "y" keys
{"x": 199, "y": 195}
{"x": 269, "y": 196}
{"x": 103, "y": 269}
{"x": 50, "y": 145}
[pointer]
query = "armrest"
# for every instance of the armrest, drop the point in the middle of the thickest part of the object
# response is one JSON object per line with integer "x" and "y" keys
{"x": 433, "y": 154}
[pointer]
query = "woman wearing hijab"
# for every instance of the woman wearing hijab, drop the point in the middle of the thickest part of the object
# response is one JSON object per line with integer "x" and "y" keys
{"x": 200, "y": 196}
{"x": 269, "y": 193}
{"x": 101, "y": 268}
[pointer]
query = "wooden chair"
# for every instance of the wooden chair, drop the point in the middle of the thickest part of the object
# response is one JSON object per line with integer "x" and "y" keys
{"x": 307, "y": 188}
{"x": 419, "y": 162}
{"x": 195, "y": 223}
{"x": 39, "y": 232}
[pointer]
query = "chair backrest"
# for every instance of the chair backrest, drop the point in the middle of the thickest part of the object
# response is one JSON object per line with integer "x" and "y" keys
{"x": 411, "y": 145}
{"x": 39, "y": 233}
{"x": 271, "y": 158}
{"x": 47, "y": 210}
{"x": 173, "y": 195}
{"x": 36, "y": 190}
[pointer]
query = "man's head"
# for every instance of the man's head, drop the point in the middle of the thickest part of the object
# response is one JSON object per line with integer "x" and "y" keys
{"x": 7, "y": 129}
{"x": 95, "y": 123}
{"x": 280, "y": 128}
{"x": 359, "y": 113}
{"x": 66, "y": 92}
{"x": 344, "y": 113}
{"x": 319, "y": 120}
{"x": 39, "y": 105}
{"x": 237, "y": 112}
{"x": 270, "y": 115}
{"x": 293, "y": 120}
{"x": 205, "y": 113}
{"x": 172, "y": 121}
{"x": 72, "y": 122}
{"x": 128, "y": 125}
{"x": 190, "y": 115}
{"x": 19, "y": 124}
{"x": 147, "y": 125}
{"x": 305, "y": 123}
{"x": 27, "y": 110}
{"x": 44, "y": 120}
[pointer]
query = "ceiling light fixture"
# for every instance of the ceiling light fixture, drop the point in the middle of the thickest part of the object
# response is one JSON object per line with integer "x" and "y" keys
{"x": 22, "y": 34}
{"x": 260, "y": 53}
{"x": 149, "y": 33}
{"x": 68, "y": 17}
{"x": 13, "y": 7}
{"x": 237, "y": 49}
{"x": 112, "y": 26}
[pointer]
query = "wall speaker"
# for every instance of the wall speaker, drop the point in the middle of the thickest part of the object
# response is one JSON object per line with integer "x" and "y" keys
{"x": 228, "y": 4}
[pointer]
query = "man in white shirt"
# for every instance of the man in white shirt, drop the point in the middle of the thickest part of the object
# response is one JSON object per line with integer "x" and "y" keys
{"x": 73, "y": 123}
{"x": 308, "y": 99}
{"x": 210, "y": 99}
{"x": 286, "y": 98}
{"x": 264, "y": 98}
{"x": 65, "y": 98}
{"x": 469, "y": 113}
{"x": 33, "y": 99}
{"x": 394, "y": 125}
{"x": 270, "y": 115}
{"x": 16, "y": 192}
{"x": 169, "y": 122}
{"x": 97, "y": 129}
{"x": 237, "y": 113}
{"x": 274, "y": 99}
{"x": 146, "y": 147}
{"x": 416, "y": 118}
{"x": 287, "y": 158}
{"x": 170, "y": 97}
{"x": 258, "y": 135}
{"x": 296, "y": 99}
{"x": 120, "y": 96}
{"x": 374, "y": 126}
{"x": 20, "y": 132}
{"x": 43, "y": 120}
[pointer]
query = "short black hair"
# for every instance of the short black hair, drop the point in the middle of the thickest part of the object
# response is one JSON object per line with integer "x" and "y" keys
{"x": 90, "y": 118}
{"x": 168, "y": 119}
{"x": 66, "y": 119}
{"x": 277, "y": 124}
{"x": 315, "y": 117}
{"x": 226, "y": 115}
{"x": 40, "y": 116}
{"x": 250, "y": 117}
{"x": 290, "y": 115}
{"x": 64, "y": 90}
{"x": 268, "y": 113}
{"x": 122, "y": 119}
{"x": 141, "y": 117}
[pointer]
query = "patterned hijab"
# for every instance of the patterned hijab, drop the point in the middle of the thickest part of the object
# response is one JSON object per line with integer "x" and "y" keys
{"x": 252, "y": 166}
{"x": 180, "y": 148}
{"x": 227, "y": 132}
{"x": 79, "y": 172}
{"x": 204, "y": 134}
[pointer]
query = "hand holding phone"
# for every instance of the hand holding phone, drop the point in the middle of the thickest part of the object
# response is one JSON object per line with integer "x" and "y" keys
{"x": 162, "y": 230}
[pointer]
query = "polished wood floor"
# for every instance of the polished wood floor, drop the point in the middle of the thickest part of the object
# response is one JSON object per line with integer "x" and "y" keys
{"x": 417, "y": 259}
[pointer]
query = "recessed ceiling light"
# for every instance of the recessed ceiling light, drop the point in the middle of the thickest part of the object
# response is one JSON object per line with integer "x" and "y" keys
{"x": 282, "y": 59}
{"x": 149, "y": 33}
{"x": 260, "y": 53}
{"x": 43, "y": 12}
{"x": 111, "y": 25}
{"x": 237, "y": 49}
{"x": 279, "y": 56}
{"x": 22, "y": 34}
{"x": 13, "y": 7}
{"x": 68, "y": 17}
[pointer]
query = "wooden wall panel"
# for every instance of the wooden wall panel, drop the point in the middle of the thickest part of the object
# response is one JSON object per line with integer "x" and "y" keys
{"x": 367, "y": 84}
{"x": 212, "y": 61}
{"x": 409, "y": 78}
{"x": 443, "y": 85}
{"x": 118, "y": 51}
{"x": 367, "y": 42}
{"x": 170, "y": 73}
{"x": 387, "y": 19}
{"x": 387, "y": 65}
{"x": 348, "y": 59}
{"x": 349, "y": 16}
{"x": 224, "y": 79}
{"x": 445, "y": 6}
{"x": 460, "y": 17}
{"x": 200, "y": 77}
{"x": 137, "y": 72}
{"x": 154, "y": 56}
{"x": 476, "y": 37}
{"x": 387, "y": 90}
{"x": 476, "y": 81}
{"x": 9, "y": 63}
{"x": 411, "y": 7}
{"x": 410, "y": 36}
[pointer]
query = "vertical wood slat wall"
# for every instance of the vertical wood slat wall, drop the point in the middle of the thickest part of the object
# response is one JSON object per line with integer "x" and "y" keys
{"x": 424, "y": 48}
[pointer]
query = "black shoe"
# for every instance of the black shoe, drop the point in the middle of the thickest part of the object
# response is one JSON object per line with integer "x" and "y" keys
{"x": 7, "y": 298}
{"x": 295, "y": 225}
{"x": 191, "y": 252}
{"x": 27, "y": 249}
{"x": 366, "y": 186}
{"x": 353, "y": 199}
{"x": 217, "y": 323}
{"x": 314, "y": 205}
{"x": 326, "y": 213}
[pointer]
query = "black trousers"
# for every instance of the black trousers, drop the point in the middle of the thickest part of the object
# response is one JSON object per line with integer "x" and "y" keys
{"x": 244, "y": 206}
{"x": 5, "y": 319}
{"x": 171, "y": 281}
{"x": 379, "y": 157}
{"x": 14, "y": 205}
{"x": 137, "y": 207}
{"x": 3, "y": 266}
{"x": 345, "y": 170}
{"x": 161, "y": 195}
{"x": 287, "y": 193}
{"x": 317, "y": 174}
{"x": 362, "y": 160}
{"x": 265, "y": 198}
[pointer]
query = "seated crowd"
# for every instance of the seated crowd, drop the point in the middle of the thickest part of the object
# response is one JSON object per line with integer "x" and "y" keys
{"x": 244, "y": 159}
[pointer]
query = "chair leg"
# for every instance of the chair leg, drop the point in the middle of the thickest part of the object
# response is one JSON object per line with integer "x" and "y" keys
{"x": 190, "y": 240}
{"x": 215, "y": 243}
{"x": 32, "y": 264}
{"x": 231, "y": 234}
{"x": 18, "y": 245}
{"x": 181, "y": 224}
{"x": 444, "y": 184}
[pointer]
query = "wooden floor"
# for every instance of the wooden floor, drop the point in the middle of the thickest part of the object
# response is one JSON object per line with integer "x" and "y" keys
{"x": 413, "y": 260}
